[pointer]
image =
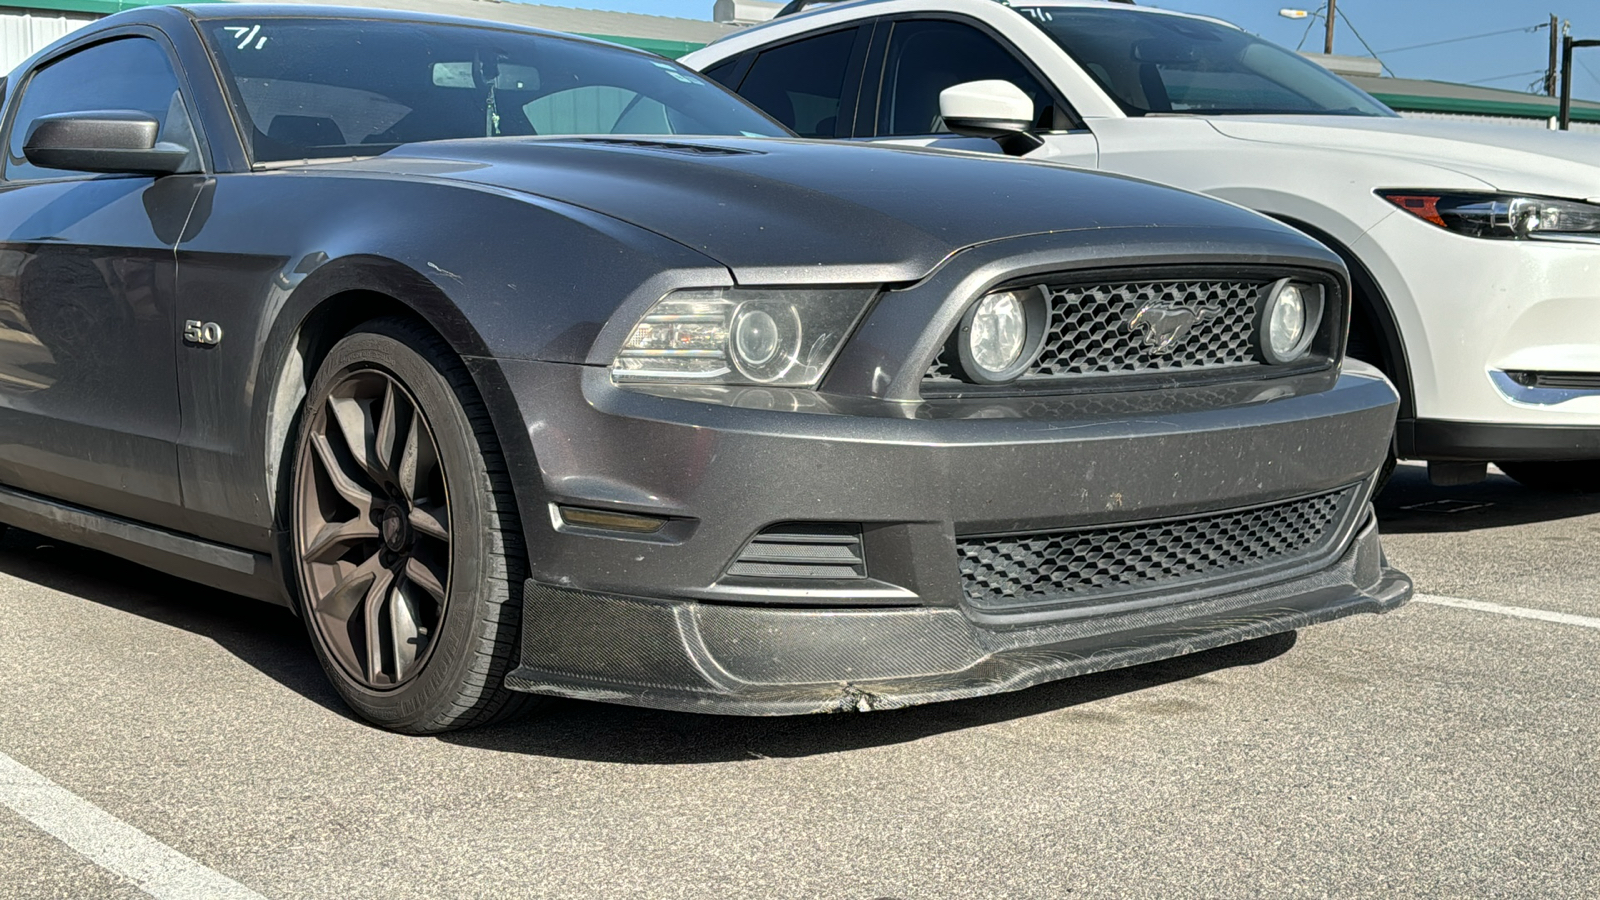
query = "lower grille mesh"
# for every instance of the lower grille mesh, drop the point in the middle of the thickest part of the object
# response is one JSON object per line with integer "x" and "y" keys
{"x": 1024, "y": 570}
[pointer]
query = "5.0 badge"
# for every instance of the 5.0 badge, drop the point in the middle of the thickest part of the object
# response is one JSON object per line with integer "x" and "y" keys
{"x": 208, "y": 334}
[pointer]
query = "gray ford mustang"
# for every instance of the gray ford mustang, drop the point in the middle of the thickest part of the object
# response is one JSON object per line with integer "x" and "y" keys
{"x": 521, "y": 364}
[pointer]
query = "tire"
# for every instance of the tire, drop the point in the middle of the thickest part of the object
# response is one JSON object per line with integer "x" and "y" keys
{"x": 1581, "y": 476}
{"x": 407, "y": 552}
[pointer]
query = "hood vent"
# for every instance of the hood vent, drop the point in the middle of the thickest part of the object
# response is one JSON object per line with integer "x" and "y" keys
{"x": 807, "y": 551}
{"x": 669, "y": 147}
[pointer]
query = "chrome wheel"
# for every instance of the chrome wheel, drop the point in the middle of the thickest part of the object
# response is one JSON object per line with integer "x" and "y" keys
{"x": 372, "y": 529}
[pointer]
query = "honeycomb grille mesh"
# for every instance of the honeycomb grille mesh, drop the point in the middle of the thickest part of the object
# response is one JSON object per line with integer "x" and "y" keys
{"x": 1024, "y": 570}
{"x": 1090, "y": 331}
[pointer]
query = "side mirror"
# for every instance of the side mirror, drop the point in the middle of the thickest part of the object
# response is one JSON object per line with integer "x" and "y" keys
{"x": 115, "y": 141}
{"x": 991, "y": 109}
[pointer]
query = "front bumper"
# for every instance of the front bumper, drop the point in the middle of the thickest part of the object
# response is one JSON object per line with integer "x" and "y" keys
{"x": 1473, "y": 310}
{"x": 734, "y": 660}
{"x": 656, "y": 620}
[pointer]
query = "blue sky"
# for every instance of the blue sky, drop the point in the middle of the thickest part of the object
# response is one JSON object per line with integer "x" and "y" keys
{"x": 1504, "y": 61}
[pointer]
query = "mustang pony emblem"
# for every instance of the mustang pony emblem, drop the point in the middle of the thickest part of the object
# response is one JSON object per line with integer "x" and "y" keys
{"x": 1166, "y": 323}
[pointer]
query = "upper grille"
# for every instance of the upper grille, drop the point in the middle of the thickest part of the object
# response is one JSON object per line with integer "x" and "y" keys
{"x": 1026, "y": 570}
{"x": 1090, "y": 333}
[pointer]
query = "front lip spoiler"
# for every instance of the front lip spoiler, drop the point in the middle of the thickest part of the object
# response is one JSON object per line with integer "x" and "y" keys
{"x": 736, "y": 660}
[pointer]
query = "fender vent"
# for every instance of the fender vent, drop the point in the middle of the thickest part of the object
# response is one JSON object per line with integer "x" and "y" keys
{"x": 803, "y": 551}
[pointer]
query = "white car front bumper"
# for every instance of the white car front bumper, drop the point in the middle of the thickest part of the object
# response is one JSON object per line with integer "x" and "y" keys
{"x": 1474, "y": 313}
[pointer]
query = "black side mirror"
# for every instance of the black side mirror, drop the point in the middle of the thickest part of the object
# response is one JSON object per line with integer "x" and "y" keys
{"x": 991, "y": 109}
{"x": 116, "y": 141}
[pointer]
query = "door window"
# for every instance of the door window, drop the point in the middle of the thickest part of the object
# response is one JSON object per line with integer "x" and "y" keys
{"x": 126, "y": 73}
{"x": 926, "y": 57}
{"x": 801, "y": 84}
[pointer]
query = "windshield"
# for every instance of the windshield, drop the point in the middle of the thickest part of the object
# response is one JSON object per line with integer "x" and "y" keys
{"x": 1164, "y": 64}
{"x": 317, "y": 88}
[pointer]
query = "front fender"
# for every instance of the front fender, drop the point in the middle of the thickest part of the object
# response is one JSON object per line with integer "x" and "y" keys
{"x": 285, "y": 262}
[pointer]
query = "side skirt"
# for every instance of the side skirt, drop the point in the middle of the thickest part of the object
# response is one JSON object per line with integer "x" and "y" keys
{"x": 217, "y": 565}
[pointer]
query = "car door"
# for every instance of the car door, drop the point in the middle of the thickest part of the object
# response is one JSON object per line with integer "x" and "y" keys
{"x": 919, "y": 57}
{"x": 88, "y": 400}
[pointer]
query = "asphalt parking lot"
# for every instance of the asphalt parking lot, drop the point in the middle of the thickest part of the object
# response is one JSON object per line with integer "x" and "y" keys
{"x": 189, "y": 738}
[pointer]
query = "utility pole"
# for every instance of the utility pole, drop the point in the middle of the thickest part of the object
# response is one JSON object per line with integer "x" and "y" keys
{"x": 1567, "y": 46}
{"x": 1333, "y": 9}
{"x": 1555, "y": 54}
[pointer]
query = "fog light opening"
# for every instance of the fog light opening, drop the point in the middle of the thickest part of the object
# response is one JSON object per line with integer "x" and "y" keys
{"x": 1000, "y": 335}
{"x": 1289, "y": 321}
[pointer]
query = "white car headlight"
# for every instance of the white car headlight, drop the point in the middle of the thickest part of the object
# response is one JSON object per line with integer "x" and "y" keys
{"x": 780, "y": 337}
{"x": 1504, "y": 216}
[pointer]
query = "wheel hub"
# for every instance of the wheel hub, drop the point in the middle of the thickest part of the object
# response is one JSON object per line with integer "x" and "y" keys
{"x": 396, "y": 533}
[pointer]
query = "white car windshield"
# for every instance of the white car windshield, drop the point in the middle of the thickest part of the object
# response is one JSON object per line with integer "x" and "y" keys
{"x": 1155, "y": 64}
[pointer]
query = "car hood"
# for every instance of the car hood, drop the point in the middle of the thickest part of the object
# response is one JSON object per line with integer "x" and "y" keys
{"x": 776, "y": 211}
{"x": 1512, "y": 159}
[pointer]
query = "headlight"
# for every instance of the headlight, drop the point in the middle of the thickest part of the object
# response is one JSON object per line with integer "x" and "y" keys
{"x": 1001, "y": 334}
{"x": 1501, "y": 216}
{"x": 1289, "y": 321}
{"x": 779, "y": 337}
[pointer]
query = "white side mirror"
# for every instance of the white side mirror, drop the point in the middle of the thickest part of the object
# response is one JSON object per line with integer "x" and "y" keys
{"x": 991, "y": 109}
{"x": 992, "y": 105}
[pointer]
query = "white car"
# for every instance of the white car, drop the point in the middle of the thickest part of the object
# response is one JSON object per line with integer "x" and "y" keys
{"x": 1475, "y": 250}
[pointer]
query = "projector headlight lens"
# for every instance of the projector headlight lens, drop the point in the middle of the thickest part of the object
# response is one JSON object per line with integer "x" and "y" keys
{"x": 755, "y": 338}
{"x": 779, "y": 337}
{"x": 1289, "y": 321}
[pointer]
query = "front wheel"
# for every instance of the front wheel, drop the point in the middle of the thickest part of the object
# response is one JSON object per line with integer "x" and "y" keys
{"x": 1581, "y": 476}
{"x": 407, "y": 548}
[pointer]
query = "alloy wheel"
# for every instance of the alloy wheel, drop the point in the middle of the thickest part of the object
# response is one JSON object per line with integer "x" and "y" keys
{"x": 372, "y": 537}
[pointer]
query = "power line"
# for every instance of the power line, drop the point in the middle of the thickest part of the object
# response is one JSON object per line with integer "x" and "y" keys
{"x": 1311, "y": 22}
{"x": 1504, "y": 77}
{"x": 1585, "y": 66}
{"x": 1471, "y": 37}
{"x": 1351, "y": 25}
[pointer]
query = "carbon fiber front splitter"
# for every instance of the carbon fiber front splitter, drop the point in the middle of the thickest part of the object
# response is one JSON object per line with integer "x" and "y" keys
{"x": 740, "y": 660}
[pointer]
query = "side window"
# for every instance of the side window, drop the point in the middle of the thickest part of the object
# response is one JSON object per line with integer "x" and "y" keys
{"x": 597, "y": 109}
{"x": 722, "y": 70}
{"x": 800, "y": 84}
{"x": 926, "y": 57}
{"x": 127, "y": 73}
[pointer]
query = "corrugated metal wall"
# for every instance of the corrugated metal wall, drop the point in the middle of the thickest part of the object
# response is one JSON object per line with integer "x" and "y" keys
{"x": 24, "y": 32}
{"x": 1510, "y": 121}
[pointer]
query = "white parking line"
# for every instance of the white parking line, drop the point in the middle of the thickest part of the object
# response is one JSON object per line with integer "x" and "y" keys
{"x": 1520, "y": 612}
{"x": 109, "y": 842}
